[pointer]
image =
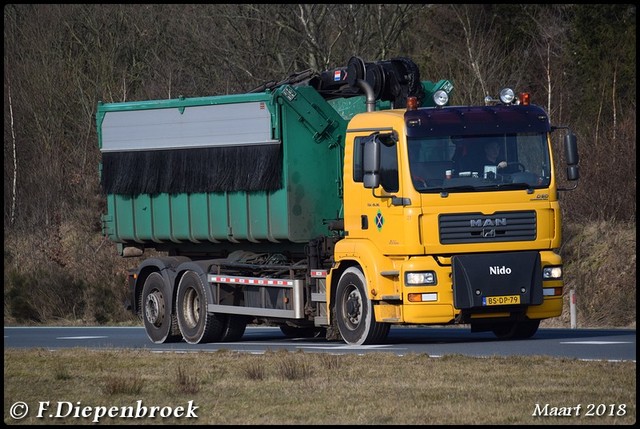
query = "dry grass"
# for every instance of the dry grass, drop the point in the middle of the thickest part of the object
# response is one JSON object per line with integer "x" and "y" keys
{"x": 308, "y": 388}
{"x": 600, "y": 262}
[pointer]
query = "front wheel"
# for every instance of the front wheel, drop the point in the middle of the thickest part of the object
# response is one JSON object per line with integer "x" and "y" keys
{"x": 196, "y": 324}
{"x": 354, "y": 311}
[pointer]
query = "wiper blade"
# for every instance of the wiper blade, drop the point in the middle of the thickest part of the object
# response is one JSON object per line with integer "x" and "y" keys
{"x": 468, "y": 188}
{"x": 460, "y": 188}
{"x": 514, "y": 185}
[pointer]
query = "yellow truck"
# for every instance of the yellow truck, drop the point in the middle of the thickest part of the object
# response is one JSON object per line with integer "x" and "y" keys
{"x": 336, "y": 204}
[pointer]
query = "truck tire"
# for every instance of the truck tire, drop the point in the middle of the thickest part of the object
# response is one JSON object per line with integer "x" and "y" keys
{"x": 234, "y": 328}
{"x": 354, "y": 311}
{"x": 196, "y": 324}
{"x": 161, "y": 326}
{"x": 516, "y": 330}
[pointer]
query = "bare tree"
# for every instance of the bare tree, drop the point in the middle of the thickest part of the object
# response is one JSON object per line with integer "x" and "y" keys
{"x": 9, "y": 22}
{"x": 15, "y": 158}
{"x": 548, "y": 40}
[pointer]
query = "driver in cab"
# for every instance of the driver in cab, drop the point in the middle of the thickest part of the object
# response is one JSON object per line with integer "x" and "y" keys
{"x": 484, "y": 163}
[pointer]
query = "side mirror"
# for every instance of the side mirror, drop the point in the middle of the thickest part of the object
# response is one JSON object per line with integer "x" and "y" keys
{"x": 571, "y": 153}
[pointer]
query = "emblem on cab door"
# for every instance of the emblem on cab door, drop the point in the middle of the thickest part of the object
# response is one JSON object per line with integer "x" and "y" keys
{"x": 379, "y": 220}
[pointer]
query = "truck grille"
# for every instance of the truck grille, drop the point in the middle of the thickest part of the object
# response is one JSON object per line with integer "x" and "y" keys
{"x": 479, "y": 228}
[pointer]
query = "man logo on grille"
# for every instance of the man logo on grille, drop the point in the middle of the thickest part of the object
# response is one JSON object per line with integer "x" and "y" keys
{"x": 488, "y": 233}
{"x": 474, "y": 223}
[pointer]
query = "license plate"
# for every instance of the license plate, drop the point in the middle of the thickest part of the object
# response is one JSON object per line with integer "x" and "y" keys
{"x": 501, "y": 300}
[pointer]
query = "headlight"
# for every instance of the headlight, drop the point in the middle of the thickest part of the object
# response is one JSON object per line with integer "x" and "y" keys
{"x": 422, "y": 278}
{"x": 440, "y": 97}
{"x": 550, "y": 273}
{"x": 507, "y": 95}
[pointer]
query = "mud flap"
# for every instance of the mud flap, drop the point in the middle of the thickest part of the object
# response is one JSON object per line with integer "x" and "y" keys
{"x": 514, "y": 277}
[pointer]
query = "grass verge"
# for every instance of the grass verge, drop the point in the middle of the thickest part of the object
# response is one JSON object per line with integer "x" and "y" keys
{"x": 312, "y": 388}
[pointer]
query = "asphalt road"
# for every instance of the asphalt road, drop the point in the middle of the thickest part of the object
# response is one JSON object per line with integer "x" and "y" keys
{"x": 587, "y": 344}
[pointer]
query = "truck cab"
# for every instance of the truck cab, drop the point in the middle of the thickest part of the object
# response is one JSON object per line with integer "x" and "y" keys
{"x": 429, "y": 240}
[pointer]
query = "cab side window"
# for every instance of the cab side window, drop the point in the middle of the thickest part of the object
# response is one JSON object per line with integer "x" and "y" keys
{"x": 389, "y": 168}
{"x": 388, "y": 165}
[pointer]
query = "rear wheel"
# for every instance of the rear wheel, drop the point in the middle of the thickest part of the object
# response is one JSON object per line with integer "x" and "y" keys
{"x": 354, "y": 311}
{"x": 196, "y": 324}
{"x": 155, "y": 307}
{"x": 303, "y": 332}
{"x": 234, "y": 328}
{"x": 516, "y": 330}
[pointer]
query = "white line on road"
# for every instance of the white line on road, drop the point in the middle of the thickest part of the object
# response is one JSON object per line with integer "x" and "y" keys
{"x": 82, "y": 338}
{"x": 596, "y": 342}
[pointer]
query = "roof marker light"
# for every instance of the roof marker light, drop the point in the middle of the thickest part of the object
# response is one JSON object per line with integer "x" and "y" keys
{"x": 412, "y": 103}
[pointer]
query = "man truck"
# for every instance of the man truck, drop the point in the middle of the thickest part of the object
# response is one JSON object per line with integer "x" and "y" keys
{"x": 335, "y": 204}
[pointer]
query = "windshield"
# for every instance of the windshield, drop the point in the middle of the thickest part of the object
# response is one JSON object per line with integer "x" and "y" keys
{"x": 474, "y": 162}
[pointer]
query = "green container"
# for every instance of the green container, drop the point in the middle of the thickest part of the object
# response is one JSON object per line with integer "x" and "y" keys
{"x": 308, "y": 130}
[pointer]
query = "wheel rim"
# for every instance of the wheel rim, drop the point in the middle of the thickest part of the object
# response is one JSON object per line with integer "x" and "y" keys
{"x": 353, "y": 308}
{"x": 154, "y": 308}
{"x": 191, "y": 308}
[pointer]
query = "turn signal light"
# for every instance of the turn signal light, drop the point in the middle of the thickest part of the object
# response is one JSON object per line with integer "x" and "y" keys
{"x": 423, "y": 297}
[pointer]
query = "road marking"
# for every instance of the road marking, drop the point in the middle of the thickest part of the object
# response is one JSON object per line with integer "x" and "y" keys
{"x": 365, "y": 347}
{"x": 83, "y": 338}
{"x": 596, "y": 342}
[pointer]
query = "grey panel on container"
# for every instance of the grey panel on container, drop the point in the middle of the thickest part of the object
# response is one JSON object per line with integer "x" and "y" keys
{"x": 198, "y": 126}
